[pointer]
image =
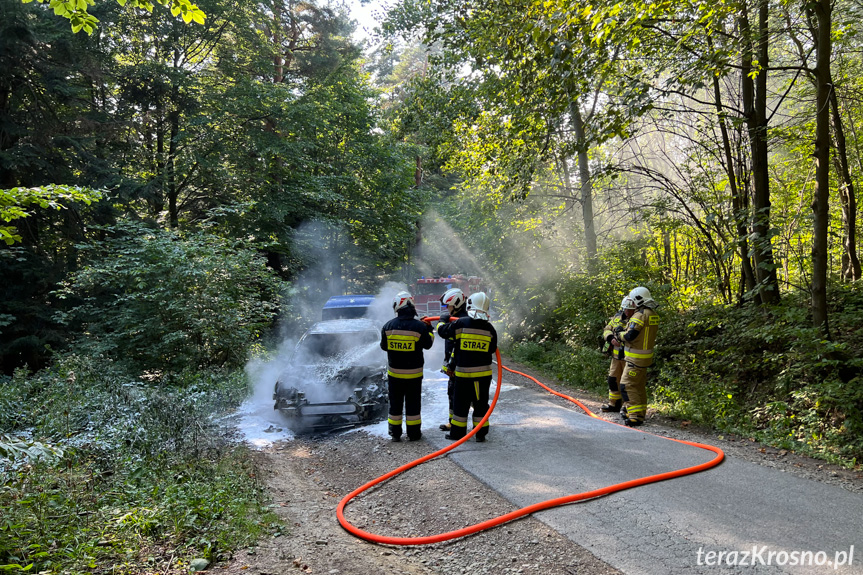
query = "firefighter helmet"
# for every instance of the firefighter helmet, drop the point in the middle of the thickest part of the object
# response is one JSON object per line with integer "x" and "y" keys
{"x": 402, "y": 300}
{"x": 640, "y": 296}
{"x": 627, "y": 303}
{"x": 477, "y": 305}
{"x": 453, "y": 297}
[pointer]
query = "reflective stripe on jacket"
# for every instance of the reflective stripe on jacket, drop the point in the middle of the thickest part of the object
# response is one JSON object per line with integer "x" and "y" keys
{"x": 404, "y": 338}
{"x": 640, "y": 337}
{"x": 475, "y": 343}
{"x": 449, "y": 344}
{"x": 617, "y": 320}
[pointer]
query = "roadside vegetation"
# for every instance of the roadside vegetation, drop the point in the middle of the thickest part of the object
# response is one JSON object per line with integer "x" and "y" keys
{"x": 116, "y": 457}
{"x": 102, "y": 472}
{"x": 758, "y": 372}
{"x": 178, "y": 191}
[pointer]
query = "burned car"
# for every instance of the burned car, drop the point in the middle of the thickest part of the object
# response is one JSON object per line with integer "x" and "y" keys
{"x": 335, "y": 378}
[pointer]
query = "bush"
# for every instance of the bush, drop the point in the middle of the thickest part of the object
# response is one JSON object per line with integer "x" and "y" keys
{"x": 165, "y": 301}
{"x": 766, "y": 372}
{"x": 755, "y": 370}
{"x": 99, "y": 469}
{"x": 580, "y": 367}
{"x": 572, "y": 307}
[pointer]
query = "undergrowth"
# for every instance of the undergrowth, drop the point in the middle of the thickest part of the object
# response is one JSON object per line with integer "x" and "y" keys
{"x": 103, "y": 472}
{"x": 756, "y": 371}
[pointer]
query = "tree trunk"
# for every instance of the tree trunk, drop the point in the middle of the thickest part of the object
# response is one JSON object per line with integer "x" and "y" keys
{"x": 171, "y": 175}
{"x": 278, "y": 60}
{"x": 850, "y": 260}
{"x": 157, "y": 201}
{"x": 739, "y": 213}
{"x": 586, "y": 186}
{"x": 418, "y": 173}
{"x": 821, "y": 201}
{"x": 754, "y": 94}
{"x": 666, "y": 256}
{"x": 174, "y": 126}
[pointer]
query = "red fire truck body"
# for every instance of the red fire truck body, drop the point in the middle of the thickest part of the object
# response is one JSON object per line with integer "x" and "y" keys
{"x": 428, "y": 290}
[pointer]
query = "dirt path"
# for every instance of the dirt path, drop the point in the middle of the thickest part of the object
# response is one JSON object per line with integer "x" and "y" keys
{"x": 307, "y": 478}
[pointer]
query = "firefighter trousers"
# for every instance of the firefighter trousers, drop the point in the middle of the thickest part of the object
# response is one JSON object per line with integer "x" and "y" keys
{"x": 615, "y": 373}
{"x": 405, "y": 396}
{"x": 467, "y": 393}
{"x": 633, "y": 387}
{"x": 450, "y": 392}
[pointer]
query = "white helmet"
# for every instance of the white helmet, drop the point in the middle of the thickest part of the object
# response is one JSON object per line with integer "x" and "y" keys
{"x": 627, "y": 303}
{"x": 640, "y": 296}
{"x": 477, "y": 305}
{"x": 453, "y": 297}
{"x": 402, "y": 300}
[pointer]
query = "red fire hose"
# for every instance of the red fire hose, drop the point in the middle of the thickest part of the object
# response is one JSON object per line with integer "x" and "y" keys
{"x": 512, "y": 515}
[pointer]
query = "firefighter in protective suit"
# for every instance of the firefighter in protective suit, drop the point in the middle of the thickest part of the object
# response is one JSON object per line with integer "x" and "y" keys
{"x": 614, "y": 348}
{"x": 475, "y": 343}
{"x": 404, "y": 338}
{"x": 638, "y": 338}
{"x": 455, "y": 302}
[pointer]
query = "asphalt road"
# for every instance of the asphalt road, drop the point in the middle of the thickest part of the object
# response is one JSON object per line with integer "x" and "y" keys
{"x": 760, "y": 519}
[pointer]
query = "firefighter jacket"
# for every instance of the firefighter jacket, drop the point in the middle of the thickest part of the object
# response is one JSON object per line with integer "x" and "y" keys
{"x": 404, "y": 338}
{"x": 449, "y": 344}
{"x": 617, "y": 322}
{"x": 640, "y": 337}
{"x": 475, "y": 343}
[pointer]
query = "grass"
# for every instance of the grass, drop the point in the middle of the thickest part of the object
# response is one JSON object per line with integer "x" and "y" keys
{"x": 104, "y": 473}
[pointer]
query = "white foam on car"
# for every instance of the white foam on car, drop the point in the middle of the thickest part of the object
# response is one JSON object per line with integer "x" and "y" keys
{"x": 258, "y": 423}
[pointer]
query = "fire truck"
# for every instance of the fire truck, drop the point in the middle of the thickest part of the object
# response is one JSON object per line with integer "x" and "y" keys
{"x": 427, "y": 291}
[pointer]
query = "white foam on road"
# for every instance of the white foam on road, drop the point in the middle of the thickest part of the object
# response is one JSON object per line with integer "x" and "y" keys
{"x": 435, "y": 403}
{"x": 261, "y": 426}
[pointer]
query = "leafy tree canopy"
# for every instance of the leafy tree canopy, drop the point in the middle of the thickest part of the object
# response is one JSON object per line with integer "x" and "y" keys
{"x": 76, "y": 11}
{"x": 13, "y": 203}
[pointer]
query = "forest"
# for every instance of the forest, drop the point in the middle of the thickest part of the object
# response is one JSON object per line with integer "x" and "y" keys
{"x": 182, "y": 185}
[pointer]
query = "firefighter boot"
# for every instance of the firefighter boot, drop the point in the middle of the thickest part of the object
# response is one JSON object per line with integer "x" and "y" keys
{"x": 612, "y": 406}
{"x": 395, "y": 432}
{"x": 482, "y": 433}
{"x": 457, "y": 432}
{"x": 624, "y": 399}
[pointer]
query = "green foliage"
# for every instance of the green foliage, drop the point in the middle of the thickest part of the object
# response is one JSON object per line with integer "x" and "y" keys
{"x": 13, "y": 203}
{"x": 572, "y": 308}
{"x": 768, "y": 373}
{"x": 28, "y": 331}
{"x": 166, "y": 301}
{"x": 581, "y": 367}
{"x": 136, "y": 470}
{"x": 76, "y": 11}
{"x": 14, "y": 449}
{"x": 80, "y": 516}
{"x": 753, "y": 370}
{"x": 190, "y": 134}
